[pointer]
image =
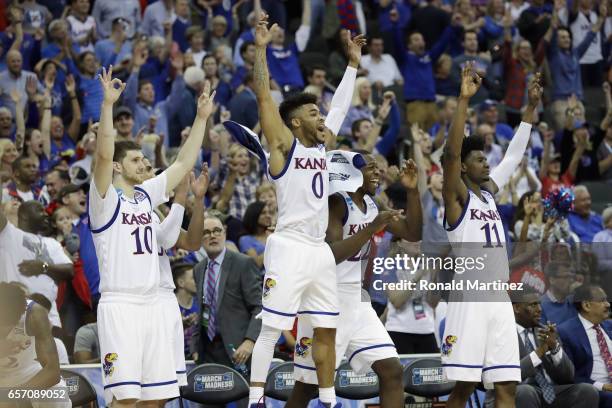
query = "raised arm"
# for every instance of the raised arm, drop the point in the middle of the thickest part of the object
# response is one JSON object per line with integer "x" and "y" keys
{"x": 516, "y": 149}
{"x": 188, "y": 154}
{"x": 105, "y": 142}
{"x": 75, "y": 124}
{"x": 191, "y": 240}
{"x": 341, "y": 101}
{"x": 45, "y": 124}
{"x": 454, "y": 191}
{"x": 595, "y": 28}
{"x": 19, "y": 118}
{"x": 419, "y": 159}
{"x": 410, "y": 226}
{"x": 302, "y": 35}
{"x": 278, "y": 136}
{"x": 345, "y": 248}
{"x": 17, "y": 19}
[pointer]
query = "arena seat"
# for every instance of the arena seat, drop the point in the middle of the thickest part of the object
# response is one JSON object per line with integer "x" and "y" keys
{"x": 80, "y": 390}
{"x": 214, "y": 384}
{"x": 423, "y": 377}
{"x": 355, "y": 387}
{"x": 280, "y": 381}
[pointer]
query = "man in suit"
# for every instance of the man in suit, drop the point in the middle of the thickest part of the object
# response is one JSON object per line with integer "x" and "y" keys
{"x": 243, "y": 106}
{"x": 547, "y": 372}
{"x": 586, "y": 341}
{"x": 229, "y": 290}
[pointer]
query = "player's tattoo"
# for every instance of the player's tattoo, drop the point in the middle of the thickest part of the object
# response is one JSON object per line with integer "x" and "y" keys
{"x": 260, "y": 72}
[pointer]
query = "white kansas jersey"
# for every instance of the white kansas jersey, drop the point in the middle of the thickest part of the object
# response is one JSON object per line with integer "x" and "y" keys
{"x": 479, "y": 233}
{"x": 301, "y": 192}
{"x": 355, "y": 220}
{"x": 19, "y": 368}
{"x": 125, "y": 239}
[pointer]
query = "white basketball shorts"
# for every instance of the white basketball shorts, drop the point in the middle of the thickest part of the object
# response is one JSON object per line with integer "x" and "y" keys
{"x": 300, "y": 279}
{"x": 135, "y": 349}
{"x": 480, "y": 343}
{"x": 174, "y": 322}
{"x": 360, "y": 337}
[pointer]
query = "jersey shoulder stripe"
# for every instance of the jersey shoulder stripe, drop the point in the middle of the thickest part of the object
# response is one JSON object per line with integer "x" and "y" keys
{"x": 452, "y": 227}
{"x": 287, "y": 162}
{"x": 109, "y": 223}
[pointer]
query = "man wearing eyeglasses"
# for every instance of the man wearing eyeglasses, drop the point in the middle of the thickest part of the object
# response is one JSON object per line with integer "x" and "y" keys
{"x": 229, "y": 292}
{"x": 557, "y": 306}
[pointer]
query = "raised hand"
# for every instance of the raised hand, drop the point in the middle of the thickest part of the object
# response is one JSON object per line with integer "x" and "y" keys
{"x": 535, "y": 90}
{"x": 70, "y": 85}
{"x": 205, "y": 102}
{"x": 141, "y": 53}
{"x": 178, "y": 62}
{"x": 263, "y": 34}
{"x": 409, "y": 174}
{"x": 112, "y": 87}
{"x": 470, "y": 81}
{"x": 15, "y": 96}
{"x": 199, "y": 186}
{"x": 31, "y": 86}
{"x": 353, "y": 46}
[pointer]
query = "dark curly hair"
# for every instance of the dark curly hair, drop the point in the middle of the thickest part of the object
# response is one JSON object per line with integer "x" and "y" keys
{"x": 293, "y": 103}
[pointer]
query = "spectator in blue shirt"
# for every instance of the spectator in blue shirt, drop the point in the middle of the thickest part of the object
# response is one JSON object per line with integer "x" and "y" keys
{"x": 224, "y": 92}
{"x": 181, "y": 24}
{"x": 116, "y": 49}
{"x": 247, "y": 35}
{"x": 108, "y": 10}
{"x": 90, "y": 89}
{"x": 490, "y": 115}
{"x": 557, "y": 304}
{"x": 584, "y": 222}
{"x": 386, "y": 8}
{"x": 139, "y": 96}
{"x": 156, "y": 15}
{"x": 257, "y": 222}
{"x": 59, "y": 49}
{"x": 482, "y": 66}
{"x": 283, "y": 62}
{"x": 29, "y": 45}
{"x": 366, "y": 133}
{"x": 247, "y": 52}
{"x": 243, "y": 106}
{"x": 362, "y": 106}
{"x": 416, "y": 66}
{"x": 564, "y": 63}
{"x": 14, "y": 77}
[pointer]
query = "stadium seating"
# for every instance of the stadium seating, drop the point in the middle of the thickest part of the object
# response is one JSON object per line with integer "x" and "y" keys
{"x": 280, "y": 382}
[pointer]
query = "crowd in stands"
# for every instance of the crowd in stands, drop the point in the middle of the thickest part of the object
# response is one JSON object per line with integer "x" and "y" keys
{"x": 52, "y": 51}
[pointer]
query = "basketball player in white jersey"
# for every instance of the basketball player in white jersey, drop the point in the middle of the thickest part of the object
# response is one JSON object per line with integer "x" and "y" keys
{"x": 361, "y": 337}
{"x": 480, "y": 342}
{"x": 28, "y": 355}
{"x": 170, "y": 235}
{"x": 134, "y": 343}
{"x": 300, "y": 267}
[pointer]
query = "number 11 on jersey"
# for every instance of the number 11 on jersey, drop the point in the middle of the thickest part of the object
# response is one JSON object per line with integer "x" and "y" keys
{"x": 487, "y": 228}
